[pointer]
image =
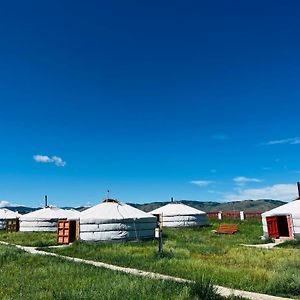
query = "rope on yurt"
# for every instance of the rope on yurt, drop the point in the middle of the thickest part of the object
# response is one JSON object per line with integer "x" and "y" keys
{"x": 135, "y": 228}
{"x": 119, "y": 210}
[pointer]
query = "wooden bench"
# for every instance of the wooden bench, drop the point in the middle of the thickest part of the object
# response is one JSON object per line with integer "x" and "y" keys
{"x": 227, "y": 228}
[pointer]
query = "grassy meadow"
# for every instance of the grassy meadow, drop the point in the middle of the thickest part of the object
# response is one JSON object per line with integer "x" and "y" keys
{"x": 192, "y": 251}
{"x": 25, "y": 276}
{"x": 34, "y": 239}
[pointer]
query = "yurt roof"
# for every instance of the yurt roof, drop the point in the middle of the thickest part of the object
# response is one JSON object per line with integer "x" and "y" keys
{"x": 8, "y": 214}
{"x": 113, "y": 210}
{"x": 177, "y": 209}
{"x": 50, "y": 212}
{"x": 292, "y": 208}
{"x": 73, "y": 213}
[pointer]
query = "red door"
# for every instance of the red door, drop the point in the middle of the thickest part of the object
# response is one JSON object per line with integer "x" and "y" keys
{"x": 272, "y": 227}
{"x": 290, "y": 226}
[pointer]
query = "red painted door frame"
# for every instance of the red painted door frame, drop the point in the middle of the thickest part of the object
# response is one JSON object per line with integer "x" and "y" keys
{"x": 272, "y": 227}
{"x": 290, "y": 226}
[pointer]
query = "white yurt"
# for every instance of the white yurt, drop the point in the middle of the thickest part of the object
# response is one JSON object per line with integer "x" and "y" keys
{"x": 282, "y": 221}
{"x": 7, "y": 214}
{"x": 45, "y": 219}
{"x": 115, "y": 221}
{"x": 180, "y": 215}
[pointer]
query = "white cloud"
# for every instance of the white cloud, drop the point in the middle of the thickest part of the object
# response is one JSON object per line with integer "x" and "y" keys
{"x": 42, "y": 158}
{"x": 241, "y": 180}
{"x": 289, "y": 141}
{"x": 4, "y": 203}
{"x": 283, "y": 192}
{"x": 221, "y": 137}
{"x": 58, "y": 161}
{"x": 213, "y": 171}
{"x": 201, "y": 182}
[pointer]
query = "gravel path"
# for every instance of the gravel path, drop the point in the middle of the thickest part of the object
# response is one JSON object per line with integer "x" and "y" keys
{"x": 264, "y": 246}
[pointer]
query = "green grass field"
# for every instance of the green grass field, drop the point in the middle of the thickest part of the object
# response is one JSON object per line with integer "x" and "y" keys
{"x": 191, "y": 252}
{"x": 34, "y": 239}
{"x": 25, "y": 276}
{"x": 290, "y": 244}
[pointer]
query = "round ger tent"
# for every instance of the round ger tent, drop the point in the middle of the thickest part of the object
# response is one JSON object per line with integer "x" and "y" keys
{"x": 181, "y": 215}
{"x": 282, "y": 221}
{"x": 115, "y": 221}
{"x": 45, "y": 219}
{"x": 6, "y": 214}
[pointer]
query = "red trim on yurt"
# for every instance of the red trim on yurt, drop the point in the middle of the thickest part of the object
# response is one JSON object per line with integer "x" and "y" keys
{"x": 290, "y": 226}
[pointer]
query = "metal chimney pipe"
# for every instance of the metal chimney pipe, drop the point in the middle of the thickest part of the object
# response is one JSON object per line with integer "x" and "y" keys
{"x": 46, "y": 201}
{"x": 298, "y": 185}
{"x": 172, "y": 199}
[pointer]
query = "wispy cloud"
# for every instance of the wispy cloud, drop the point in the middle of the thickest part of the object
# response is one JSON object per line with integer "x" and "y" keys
{"x": 241, "y": 180}
{"x": 58, "y": 161}
{"x": 4, "y": 203}
{"x": 289, "y": 141}
{"x": 202, "y": 182}
{"x": 220, "y": 137}
{"x": 283, "y": 192}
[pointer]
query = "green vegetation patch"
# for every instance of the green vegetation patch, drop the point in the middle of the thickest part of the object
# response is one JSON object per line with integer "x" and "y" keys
{"x": 190, "y": 252}
{"x": 295, "y": 244}
{"x": 34, "y": 239}
{"x": 25, "y": 276}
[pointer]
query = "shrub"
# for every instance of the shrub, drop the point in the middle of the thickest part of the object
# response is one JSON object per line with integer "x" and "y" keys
{"x": 203, "y": 289}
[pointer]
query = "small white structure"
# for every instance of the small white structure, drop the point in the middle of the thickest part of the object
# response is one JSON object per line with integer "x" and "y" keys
{"x": 219, "y": 215}
{"x": 180, "y": 215}
{"x": 242, "y": 215}
{"x": 6, "y": 214}
{"x": 46, "y": 219}
{"x": 282, "y": 221}
{"x": 115, "y": 221}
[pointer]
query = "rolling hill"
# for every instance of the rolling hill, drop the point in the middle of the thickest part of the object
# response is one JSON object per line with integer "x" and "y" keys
{"x": 245, "y": 205}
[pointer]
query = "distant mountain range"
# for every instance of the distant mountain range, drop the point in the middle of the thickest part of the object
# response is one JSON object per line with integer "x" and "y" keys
{"x": 21, "y": 209}
{"x": 25, "y": 209}
{"x": 245, "y": 205}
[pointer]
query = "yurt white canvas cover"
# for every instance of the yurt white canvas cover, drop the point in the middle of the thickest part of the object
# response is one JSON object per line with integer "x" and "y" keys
{"x": 282, "y": 221}
{"x": 45, "y": 219}
{"x": 115, "y": 221}
{"x": 181, "y": 215}
{"x": 6, "y": 214}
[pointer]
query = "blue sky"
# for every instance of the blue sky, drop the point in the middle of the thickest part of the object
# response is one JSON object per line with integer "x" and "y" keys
{"x": 196, "y": 100}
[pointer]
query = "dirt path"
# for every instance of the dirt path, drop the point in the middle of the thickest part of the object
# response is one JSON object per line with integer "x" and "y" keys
{"x": 221, "y": 290}
{"x": 267, "y": 245}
